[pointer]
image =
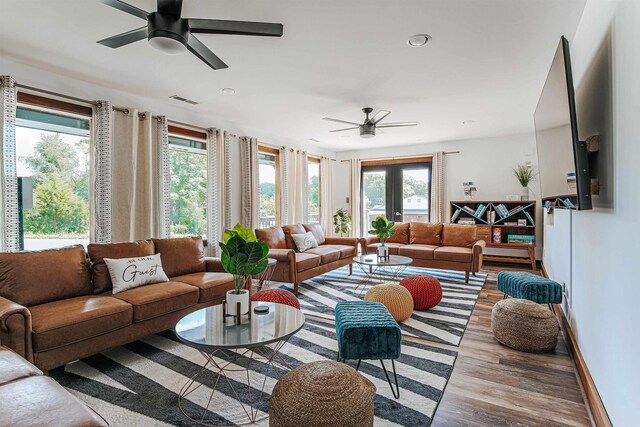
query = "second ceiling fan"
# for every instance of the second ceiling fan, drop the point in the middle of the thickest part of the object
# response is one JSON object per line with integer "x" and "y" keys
{"x": 368, "y": 128}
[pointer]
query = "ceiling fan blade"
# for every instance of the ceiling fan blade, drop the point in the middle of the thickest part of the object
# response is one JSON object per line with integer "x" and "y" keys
{"x": 170, "y": 7}
{"x": 379, "y": 116}
{"x": 397, "y": 125}
{"x": 125, "y": 7}
{"x": 340, "y": 130}
{"x": 241, "y": 28}
{"x": 340, "y": 121}
{"x": 196, "y": 47}
{"x": 125, "y": 38}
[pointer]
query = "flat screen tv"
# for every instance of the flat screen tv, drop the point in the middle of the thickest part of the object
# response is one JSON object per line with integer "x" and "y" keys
{"x": 562, "y": 158}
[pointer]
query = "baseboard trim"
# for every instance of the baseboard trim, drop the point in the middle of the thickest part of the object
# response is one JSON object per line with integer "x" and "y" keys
{"x": 596, "y": 407}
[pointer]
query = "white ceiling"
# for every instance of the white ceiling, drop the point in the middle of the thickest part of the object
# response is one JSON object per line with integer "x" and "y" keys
{"x": 487, "y": 62}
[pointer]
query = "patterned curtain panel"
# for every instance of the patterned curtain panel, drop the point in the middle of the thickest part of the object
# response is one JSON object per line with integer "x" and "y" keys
{"x": 217, "y": 183}
{"x": 160, "y": 139}
{"x": 225, "y": 158}
{"x": 102, "y": 130}
{"x": 9, "y": 221}
{"x": 437, "y": 188}
{"x": 301, "y": 181}
{"x": 356, "y": 220}
{"x": 249, "y": 182}
{"x": 326, "y": 192}
{"x": 288, "y": 168}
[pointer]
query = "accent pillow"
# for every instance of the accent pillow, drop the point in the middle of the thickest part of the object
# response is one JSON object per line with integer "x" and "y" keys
{"x": 424, "y": 233}
{"x": 129, "y": 273}
{"x": 304, "y": 241}
{"x": 401, "y": 235}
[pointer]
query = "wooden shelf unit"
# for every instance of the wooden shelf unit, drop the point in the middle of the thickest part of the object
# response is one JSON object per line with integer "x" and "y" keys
{"x": 488, "y": 230}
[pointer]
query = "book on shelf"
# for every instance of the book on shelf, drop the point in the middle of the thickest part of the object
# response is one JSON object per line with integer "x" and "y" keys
{"x": 522, "y": 239}
{"x": 529, "y": 217}
{"x": 467, "y": 221}
{"x": 569, "y": 203}
{"x": 478, "y": 210}
{"x": 514, "y": 210}
{"x": 468, "y": 210}
{"x": 456, "y": 214}
{"x": 511, "y": 223}
{"x": 496, "y": 236}
{"x": 493, "y": 217}
{"x": 502, "y": 210}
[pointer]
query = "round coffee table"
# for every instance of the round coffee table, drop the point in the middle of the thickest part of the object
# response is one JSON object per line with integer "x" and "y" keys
{"x": 230, "y": 350}
{"x": 378, "y": 270}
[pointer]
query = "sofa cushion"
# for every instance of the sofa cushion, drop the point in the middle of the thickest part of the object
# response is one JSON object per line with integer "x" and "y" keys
{"x": 292, "y": 229}
{"x": 59, "y": 323}
{"x": 463, "y": 236}
{"x": 305, "y": 241}
{"x": 393, "y": 247}
{"x": 273, "y": 237}
{"x": 212, "y": 286}
{"x": 155, "y": 300}
{"x": 317, "y": 231}
{"x": 99, "y": 251}
{"x": 327, "y": 254}
{"x": 417, "y": 251}
{"x": 14, "y": 367}
{"x": 346, "y": 251}
{"x": 305, "y": 261}
{"x": 401, "y": 235}
{"x": 36, "y": 277}
{"x": 181, "y": 256}
{"x": 453, "y": 253}
{"x": 426, "y": 233}
{"x": 129, "y": 273}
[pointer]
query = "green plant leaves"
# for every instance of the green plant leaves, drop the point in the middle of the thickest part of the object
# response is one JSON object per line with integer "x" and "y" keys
{"x": 240, "y": 256}
{"x": 382, "y": 228}
{"x": 241, "y": 231}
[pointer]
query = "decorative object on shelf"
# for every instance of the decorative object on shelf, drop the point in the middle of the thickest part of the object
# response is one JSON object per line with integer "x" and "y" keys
{"x": 382, "y": 228}
{"x": 496, "y": 236}
{"x": 524, "y": 174}
{"x": 242, "y": 256}
{"x": 425, "y": 290}
{"x": 469, "y": 190}
{"x": 342, "y": 222}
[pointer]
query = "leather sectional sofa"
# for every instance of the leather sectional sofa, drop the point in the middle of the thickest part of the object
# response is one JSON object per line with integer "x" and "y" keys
{"x": 57, "y": 305}
{"x": 293, "y": 266}
{"x": 445, "y": 246}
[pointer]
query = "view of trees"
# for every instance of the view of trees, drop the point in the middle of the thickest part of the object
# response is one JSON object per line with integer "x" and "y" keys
{"x": 313, "y": 193}
{"x": 188, "y": 193}
{"x": 267, "y": 199}
{"x": 374, "y": 188}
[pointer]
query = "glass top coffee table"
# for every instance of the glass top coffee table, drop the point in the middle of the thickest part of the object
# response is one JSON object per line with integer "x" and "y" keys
{"x": 379, "y": 270}
{"x": 231, "y": 351}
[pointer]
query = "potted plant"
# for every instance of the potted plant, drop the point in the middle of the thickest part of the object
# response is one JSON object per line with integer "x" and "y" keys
{"x": 341, "y": 221}
{"x": 242, "y": 256}
{"x": 383, "y": 229}
{"x": 524, "y": 174}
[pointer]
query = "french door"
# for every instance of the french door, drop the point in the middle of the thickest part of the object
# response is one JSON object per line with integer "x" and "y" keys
{"x": 400, "y": 191}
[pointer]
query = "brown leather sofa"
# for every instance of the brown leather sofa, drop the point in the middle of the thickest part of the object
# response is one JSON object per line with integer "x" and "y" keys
{"x": 31, "y": 399}
{"x": 445, "y": 246}
{"x": 294, "y": 267}
{"x": 57, "y": 305}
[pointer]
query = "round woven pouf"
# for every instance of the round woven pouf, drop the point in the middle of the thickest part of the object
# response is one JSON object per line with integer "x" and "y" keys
{"x": 524, "y": 325}
{"x": 425, "y": 290}
{"x": 322, "y": 394}
{"x": 280, "y": 296}
{"x": 396, "y": 298}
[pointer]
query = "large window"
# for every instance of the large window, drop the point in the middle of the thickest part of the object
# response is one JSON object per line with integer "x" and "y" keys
{"x": 313, "y": 190}
{"x": 54, "y": 175}
{"x": 268, "y": 163}
{"x": 188, "y": 190}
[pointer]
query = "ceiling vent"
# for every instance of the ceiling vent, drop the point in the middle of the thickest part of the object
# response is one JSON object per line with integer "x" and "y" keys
{"x": 188, "y": 101}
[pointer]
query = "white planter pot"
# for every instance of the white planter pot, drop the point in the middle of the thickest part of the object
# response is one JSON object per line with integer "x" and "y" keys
{"x": 233, "y": 299}
{"x": 524, "y": 194}
{"x": 383, "y": 251}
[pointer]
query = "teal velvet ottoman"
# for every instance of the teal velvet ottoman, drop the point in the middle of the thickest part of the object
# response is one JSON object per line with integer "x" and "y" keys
{"x": 519, "y": 284}
{"x": 367, "y": 331}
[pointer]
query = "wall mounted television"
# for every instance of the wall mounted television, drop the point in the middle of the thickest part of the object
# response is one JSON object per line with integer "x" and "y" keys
{"x": 562, "y": 158}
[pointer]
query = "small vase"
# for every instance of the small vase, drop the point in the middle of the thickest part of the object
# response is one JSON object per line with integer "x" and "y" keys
{"x": 383, "y": 251}
{"x": 524, "y": 193}
{"x": 233, "y": 299}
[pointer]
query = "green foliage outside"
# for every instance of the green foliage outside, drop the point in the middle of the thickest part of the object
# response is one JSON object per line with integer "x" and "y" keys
{"x": 313, "y": 193}
{"x": 267, "y": 199}
{"x": 188, "y": 191}
{"x": 374, "y": 189}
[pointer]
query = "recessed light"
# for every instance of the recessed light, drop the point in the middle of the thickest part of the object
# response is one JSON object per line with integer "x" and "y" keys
{"x": 468, "y": 122}
{"x": 418, "y": 40}
{"x": 228, "y": 90}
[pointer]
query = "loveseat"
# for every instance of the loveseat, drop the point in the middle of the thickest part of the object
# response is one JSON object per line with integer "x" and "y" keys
{"x": 445, "y": 246}
{"x": 57, "y": 305}
{"x": 293, "y": 266}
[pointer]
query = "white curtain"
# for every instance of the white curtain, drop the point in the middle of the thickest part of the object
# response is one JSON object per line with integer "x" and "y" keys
{"x": 356, "y": 214}
{"x": 437, "y": 188}
{"x": 302, "y": 184}
{"x": 326, "y": 193}
{"x": 160, "y": 139}
{"x": 9, "y": 221}
{"x": 218, "y": 188}
{"x": 102, "y": 138}
{"x": 287, "y": 190}
{"x": 250, "y": 193}
{"x": 138, "y": 179}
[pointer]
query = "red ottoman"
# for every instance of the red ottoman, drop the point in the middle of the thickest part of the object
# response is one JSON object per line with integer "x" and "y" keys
{"x": 279, "y": 296}
{"x": 425, "y": 290}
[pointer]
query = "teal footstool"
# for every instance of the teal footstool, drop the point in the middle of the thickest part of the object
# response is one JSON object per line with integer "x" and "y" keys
{"x": 529, "y": 286}
{"x": 367, "y": 331}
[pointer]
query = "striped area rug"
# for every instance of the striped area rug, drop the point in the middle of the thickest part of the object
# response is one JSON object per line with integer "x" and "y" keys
{"x": 137, "y": 384}
{"x": 444, "y": 323}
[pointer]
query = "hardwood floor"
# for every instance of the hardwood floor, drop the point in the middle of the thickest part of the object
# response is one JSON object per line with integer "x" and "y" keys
{"x": 493, "y": 385}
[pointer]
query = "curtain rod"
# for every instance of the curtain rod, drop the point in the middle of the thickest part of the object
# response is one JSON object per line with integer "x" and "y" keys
{"x": 402, "y": 157}
{"x": 59, "y": 95}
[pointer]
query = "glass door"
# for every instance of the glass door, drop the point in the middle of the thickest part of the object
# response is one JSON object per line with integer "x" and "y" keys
{"x": 374, "y": 196}
{"x": 415, "y": 195}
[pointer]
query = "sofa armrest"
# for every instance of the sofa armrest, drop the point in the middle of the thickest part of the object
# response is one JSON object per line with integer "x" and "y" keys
{"x": 15, "y": 328}
{"x": 348, "y": 241}
{"x": 282, "y": 255}
{"x": 213, "y": 264}
{"x": 366, "y": 241}
{"x": 477, "y": 248}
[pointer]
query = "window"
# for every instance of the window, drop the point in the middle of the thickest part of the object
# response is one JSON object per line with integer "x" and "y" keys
{"x": 188, "y": 189}
{"x": 268, "y": 163}
{"x": 313, "y": 190}
{"x": 53, "y": 166}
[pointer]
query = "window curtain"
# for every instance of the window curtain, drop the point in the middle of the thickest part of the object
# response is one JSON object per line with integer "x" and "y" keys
{"x": 302, "y": 184}
{"x": 355, "y": 206}
{"x": 102, "y": 138}
{"x": 139, "y": 176}
{"x": 250, "y": 193}
{"x": 218, "y": 189}
{"x": 437, "y": 188}
{"x": 286, "y": 194}
{"x": 9, "y": 221}
{"x": 326, "y": 192}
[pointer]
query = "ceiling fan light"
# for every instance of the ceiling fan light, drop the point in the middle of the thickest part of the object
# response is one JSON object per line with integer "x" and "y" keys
{"x": 167, "y": 45}
{"x": 367, "y": 135}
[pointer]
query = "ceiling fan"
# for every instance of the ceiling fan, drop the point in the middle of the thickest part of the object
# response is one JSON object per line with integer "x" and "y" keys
{"x": 368, "y": 128}
{"x": 168, "y": 32}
